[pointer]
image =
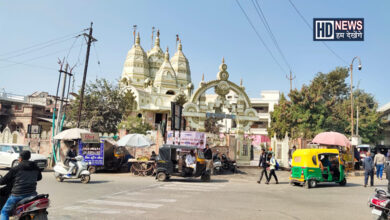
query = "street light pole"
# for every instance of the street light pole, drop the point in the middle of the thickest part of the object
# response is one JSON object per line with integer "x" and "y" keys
{"x": 351, "y": 68}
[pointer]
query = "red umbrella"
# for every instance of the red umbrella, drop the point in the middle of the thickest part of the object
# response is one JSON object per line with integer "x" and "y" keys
{"x": 331, "y": 138}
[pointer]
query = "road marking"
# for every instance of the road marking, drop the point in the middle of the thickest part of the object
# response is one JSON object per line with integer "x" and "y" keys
{"x": 185, "y": 189}
{"x": 139, "y": 199}
{"x": 130, "y": 204}
{"x": 100, "y": 210}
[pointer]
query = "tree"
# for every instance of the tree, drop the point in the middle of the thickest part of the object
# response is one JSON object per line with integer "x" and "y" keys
{"x": 134, "y": 125}
{"x": 211, "y": 125}
{"x": 324, "y": 105}
{"x": 104, "y": 106}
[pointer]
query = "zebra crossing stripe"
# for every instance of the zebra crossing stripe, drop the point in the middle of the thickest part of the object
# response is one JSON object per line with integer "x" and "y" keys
{"x": 100, "y": 210}
{"x": 130, "y": 204}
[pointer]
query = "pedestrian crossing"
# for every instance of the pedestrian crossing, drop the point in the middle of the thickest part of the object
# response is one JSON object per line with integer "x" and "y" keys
{"x": 135, "y": 203}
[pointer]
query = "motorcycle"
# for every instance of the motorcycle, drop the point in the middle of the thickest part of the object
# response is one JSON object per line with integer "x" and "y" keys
{"x": 33, "y": 207}
{"x": 80, "y": 172}
{"x": 217, "y": 165}
{"x": 228, "y": 164}
{"x": 380, "y": 204}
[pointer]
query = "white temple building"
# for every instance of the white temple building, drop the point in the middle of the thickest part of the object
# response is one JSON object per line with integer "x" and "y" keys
{"x": 156, "y": 79}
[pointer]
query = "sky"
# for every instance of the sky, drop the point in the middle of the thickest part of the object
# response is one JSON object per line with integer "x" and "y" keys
{"x": 209, "y": 30}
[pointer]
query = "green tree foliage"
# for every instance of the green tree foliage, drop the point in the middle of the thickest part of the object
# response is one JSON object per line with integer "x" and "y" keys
{"x": 211, "y": 125}
{"x": 134, "y": 124}
{"x": 103, "y": 107}
{"x": 324, "y": 105}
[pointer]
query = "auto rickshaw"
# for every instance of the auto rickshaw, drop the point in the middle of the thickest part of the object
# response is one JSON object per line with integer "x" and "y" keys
{"x": 312, "y": 166}
{"x": 171, "y": 162}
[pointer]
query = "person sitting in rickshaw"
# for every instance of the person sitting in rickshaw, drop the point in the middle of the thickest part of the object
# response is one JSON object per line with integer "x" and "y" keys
{"x": 334, "y": 168}
{"x": 191, "y": 160}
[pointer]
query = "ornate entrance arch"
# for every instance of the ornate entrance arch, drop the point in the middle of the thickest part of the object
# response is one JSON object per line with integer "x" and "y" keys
{"x": 195, "y": 110}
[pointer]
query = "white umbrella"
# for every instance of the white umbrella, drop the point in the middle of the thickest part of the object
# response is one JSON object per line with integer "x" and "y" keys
{"x": 134, "y": 140}
{"x": 70, "y": 134}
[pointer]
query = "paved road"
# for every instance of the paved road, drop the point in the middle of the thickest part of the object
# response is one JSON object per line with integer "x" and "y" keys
{"x": 123, "y": 196}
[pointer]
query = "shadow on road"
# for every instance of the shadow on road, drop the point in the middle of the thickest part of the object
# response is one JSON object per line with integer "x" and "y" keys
{"x": 91, "y": 182}
{"x": 197, "y": 180}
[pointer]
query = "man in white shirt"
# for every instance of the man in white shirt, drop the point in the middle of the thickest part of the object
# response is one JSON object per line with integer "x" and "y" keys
{"x": 190, "y": 160}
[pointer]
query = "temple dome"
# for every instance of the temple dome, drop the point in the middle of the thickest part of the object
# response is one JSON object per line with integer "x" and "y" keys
{"x": 155, "y": 58}
{"x": 136, "y": 66}
{"x": 181, "y": 66}
{"x": 166, "y": 77}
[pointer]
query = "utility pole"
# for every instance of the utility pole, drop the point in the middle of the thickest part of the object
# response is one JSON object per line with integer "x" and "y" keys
{"x": 291, "y": 78}
{"x": 357, "y": 120}
{"x": 62, "y": 99}
{"x": 90, "y": 40}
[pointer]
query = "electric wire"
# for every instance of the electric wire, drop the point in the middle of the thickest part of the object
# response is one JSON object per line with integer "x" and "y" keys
{"x": 39, "y": 44}
{"x": 98, "y": 60}
{"x": 311, "y": 28}
{"x": 263, "y": 19}
{"x": 24, "y": 61}
{"x": 259, "y": 37}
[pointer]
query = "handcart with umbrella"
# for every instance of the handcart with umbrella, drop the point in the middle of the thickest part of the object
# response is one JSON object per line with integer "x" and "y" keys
{"x": 142, "y": 166}
{"x": 335, "y": 140}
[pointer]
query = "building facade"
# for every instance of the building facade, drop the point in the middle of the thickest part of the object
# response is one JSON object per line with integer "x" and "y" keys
{"x": 385, "y": 110}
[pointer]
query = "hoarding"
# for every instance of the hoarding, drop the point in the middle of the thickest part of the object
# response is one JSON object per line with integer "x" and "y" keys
{"x": 188, "y": 138}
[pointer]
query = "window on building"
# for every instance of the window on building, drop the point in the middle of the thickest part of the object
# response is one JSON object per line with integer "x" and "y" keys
{"x": 170, "y": 92}
{"x": 18, "y": 107}
{"x": 158, "y": 118}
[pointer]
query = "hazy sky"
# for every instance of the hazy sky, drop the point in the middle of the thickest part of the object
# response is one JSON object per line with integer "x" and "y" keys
{"x": 209, "y": 30}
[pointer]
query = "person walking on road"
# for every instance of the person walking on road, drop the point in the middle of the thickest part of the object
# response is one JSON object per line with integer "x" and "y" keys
{"x": 379, "y": 161}
{"x": 368, "y": 165}
{"x": 263, "y": 164}
{"x": 272, "y": 168}
{"x": 208, "y": 155}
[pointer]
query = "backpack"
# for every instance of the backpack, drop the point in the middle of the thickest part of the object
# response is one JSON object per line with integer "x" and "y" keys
{"x": 277, "y": 165}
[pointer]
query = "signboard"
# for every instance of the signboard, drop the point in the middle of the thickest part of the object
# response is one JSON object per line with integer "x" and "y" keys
{"x": 93, "y": 153}
{"x": 176, "y": 111}
{"x": 220, "y": 115}
{"x": 338, "y": 29}
{"x": 34, "y": 129}
{"x": 90, "y": 138}
{"x": 187, "y": 138}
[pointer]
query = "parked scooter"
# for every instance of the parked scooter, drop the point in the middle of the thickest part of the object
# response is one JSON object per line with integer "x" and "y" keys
{"x": 80, "y": 172}
{"x": 380, "y": 204}
{"x": 228, "y": 164}
{"x": 33, "y": 207}
{"x": 217, "y": 165}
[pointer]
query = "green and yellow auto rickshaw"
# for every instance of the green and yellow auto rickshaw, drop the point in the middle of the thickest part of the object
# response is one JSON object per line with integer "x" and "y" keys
{"x": 312, "y": 166}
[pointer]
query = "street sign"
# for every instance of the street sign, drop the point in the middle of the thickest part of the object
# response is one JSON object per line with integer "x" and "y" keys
{"x": 220, "y": 115}
{"x": 90, "y": 138}
{"x": 176, "y": 112}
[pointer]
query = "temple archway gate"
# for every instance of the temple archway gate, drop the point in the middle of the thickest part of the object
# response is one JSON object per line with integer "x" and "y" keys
{"x": 195, "y": 111}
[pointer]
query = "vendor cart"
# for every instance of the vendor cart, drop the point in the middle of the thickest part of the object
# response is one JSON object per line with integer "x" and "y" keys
{"x": 142, "y": 167}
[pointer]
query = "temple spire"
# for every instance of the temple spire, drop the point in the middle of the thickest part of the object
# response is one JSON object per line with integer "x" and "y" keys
{"x": 138, "y": 40}
{"x": 223, "y": 59}
{"x": 166, "y": 55}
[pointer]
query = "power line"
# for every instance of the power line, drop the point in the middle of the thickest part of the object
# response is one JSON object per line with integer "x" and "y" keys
{"x": 35, "y": 58}
{"x": 258, "y": 36}
{"x": 98, "y": 60}
{"x": 263, "y": 19}
{"x": 39, "y": 44}
{"x": 311, "y": 28}
{"x": 26, "y": 64}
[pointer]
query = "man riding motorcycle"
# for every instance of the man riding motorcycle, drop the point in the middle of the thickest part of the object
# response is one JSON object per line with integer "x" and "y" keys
{"x": 23, "y": 179}
{"x": 71, "y": 159}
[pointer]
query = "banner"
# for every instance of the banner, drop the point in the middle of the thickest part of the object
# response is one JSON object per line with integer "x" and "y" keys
{"x": 93, "y": 153}
{"x": 187, "y": 138}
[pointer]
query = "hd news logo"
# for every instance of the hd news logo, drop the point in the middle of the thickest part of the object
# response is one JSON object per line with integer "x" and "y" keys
{"x": 338, "y": 29}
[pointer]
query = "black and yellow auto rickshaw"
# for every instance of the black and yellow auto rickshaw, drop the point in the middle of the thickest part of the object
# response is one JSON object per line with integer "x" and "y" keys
{"x": 171, "y": 161}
